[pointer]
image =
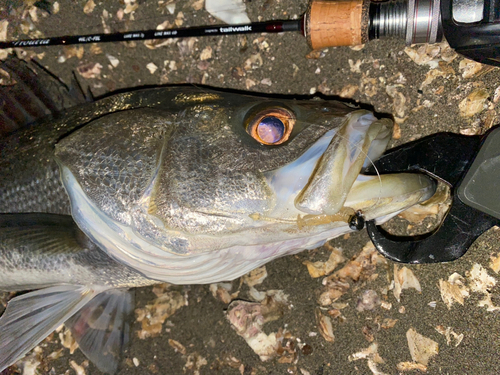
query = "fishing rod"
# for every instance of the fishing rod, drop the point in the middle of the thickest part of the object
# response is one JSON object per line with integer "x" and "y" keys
{"x": 195, "y": 31}
{"x": 471, "y": 27}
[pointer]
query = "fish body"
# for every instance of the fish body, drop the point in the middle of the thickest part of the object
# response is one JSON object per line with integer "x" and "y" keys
{"x": 40, "y": 251}
{"x": 198, "y": 186}
{"x": 74, "y": 283}
{"x": 174, "y": 184}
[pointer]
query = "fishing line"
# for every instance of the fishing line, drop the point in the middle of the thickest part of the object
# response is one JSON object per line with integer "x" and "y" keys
{"x": 379, "y": 179}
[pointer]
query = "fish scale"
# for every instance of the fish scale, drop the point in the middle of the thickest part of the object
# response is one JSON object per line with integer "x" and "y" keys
{"x": 30, "y": 183}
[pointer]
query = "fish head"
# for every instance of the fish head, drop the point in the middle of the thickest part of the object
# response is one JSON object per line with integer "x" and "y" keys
{"x": 215, "y": 184}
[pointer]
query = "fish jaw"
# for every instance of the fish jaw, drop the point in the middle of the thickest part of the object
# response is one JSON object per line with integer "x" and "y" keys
{"x": 324, "y": 186}
{"x": 319, "y": 181}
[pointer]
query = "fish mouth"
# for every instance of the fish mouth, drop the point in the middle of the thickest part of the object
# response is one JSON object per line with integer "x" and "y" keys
{"x": 325, "y": 183}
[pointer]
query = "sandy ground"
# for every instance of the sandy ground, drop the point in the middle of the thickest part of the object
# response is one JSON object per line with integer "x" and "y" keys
{"x": 427, "y": 89}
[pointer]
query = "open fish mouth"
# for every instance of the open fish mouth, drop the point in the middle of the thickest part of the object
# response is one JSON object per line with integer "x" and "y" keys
{"x": 193, "y": 221}
{"x": 325, "y": 185}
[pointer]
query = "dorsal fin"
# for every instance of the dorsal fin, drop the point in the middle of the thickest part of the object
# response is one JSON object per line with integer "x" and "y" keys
{"x": 28, "y": 92}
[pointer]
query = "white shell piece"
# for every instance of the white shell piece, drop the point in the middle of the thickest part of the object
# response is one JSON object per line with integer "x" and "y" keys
{"x": 232, "y": 12}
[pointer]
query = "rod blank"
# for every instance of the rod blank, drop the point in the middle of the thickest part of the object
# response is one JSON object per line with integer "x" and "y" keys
{"x": 196, "y": 31}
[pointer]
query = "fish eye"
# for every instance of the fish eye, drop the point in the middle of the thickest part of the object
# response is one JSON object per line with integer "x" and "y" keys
{"x": 271, "y": 126}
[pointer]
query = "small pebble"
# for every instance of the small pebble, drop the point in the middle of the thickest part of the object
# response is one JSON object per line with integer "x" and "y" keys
{"x": 307, "y": 349}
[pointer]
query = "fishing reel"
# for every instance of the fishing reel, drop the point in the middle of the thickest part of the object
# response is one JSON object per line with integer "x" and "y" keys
{"x": 471, "y": 27}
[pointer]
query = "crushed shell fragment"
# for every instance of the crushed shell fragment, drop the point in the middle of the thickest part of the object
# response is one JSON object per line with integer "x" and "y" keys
{"x": 454, "y": 290}
{"x": 325, "y": 326}
{"x": 404, "y": 278}
{"x": 422, "y": 349}
{"x": 318, "y": 269}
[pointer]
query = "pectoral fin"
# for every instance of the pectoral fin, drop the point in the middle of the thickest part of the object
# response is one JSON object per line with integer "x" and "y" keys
{"x": 31, "y": 317}
{"x": 101, "y": 328}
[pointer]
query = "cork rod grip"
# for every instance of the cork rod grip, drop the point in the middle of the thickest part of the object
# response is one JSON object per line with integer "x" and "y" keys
{"x": 334, "y": 23}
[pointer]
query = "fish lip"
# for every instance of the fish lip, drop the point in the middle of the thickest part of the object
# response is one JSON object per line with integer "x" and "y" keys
{"x": 340, "y": 165}
{"x": 286, "y": 183}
